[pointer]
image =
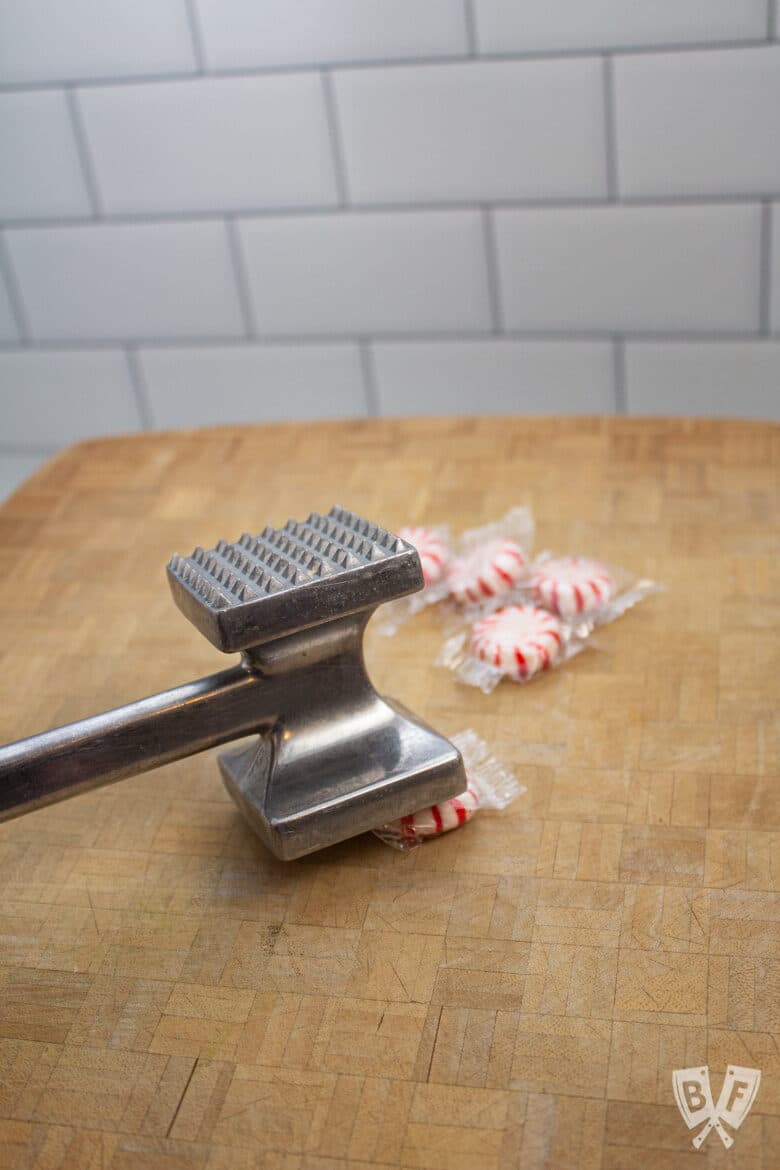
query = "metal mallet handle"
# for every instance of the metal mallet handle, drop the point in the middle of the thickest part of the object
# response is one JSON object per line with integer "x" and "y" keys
{"x": 128, "y": 740}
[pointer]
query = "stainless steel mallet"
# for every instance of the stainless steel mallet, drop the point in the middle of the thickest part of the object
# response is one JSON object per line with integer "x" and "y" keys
{"x": 331, "y": 757}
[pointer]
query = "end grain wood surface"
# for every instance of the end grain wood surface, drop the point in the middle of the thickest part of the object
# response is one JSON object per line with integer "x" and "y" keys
{"x": 514, "y": 995}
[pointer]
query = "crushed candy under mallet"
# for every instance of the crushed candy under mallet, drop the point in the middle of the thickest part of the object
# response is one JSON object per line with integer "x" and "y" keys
{"x": 439, "y": 818}
{"x": 490, "y": 785}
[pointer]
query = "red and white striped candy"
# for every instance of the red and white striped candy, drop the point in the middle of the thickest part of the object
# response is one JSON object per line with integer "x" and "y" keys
{"x": 439, "y": 818}
{"x": 572, "y": 585}
{"x": 488, "y": 571}
{"x": 519, "y": 640}
{"x": 433, "y": 550}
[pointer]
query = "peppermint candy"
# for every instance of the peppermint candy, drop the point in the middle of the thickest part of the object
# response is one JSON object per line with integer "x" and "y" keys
{"x": 438, "y": 819}
{"x": 519, "y": 640}
{"x": 488, "y": 571}
{"x": 571, "y": 585}
{"x": 433, "y": 551}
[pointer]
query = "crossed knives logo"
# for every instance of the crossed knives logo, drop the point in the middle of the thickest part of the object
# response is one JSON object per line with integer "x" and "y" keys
{"x": 694, "y": 1100}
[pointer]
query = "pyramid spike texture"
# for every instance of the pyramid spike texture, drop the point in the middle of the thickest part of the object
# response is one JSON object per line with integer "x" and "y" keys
{"x": 282, "y": 559}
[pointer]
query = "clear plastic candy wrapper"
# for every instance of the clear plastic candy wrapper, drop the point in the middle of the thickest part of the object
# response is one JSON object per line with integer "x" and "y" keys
{"x": 586, "y": 592}
{"x": 485, "y": 562}
{"x": 434, "y": 545}
{"x": 512, "y": 641}
{"x": 490, "y": 785}
{"x": 492, "y": 560}
{"x": 546, "y": 619}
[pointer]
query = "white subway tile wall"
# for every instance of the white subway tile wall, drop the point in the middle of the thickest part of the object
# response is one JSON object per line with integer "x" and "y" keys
{"x": 494, "y": 377}
{"x": 74, "y": 40}
{"x": 252, "y": 383}
{"x": 619, "y": 269}
{"x": 703, "y": 123}
{"x": 8, "y": 329}
{"x": 216, "y": 144}
{"x": 238, "y": 210}
{"x": 108, "y": 281}
{"x": 688, "y": 377}
{"x": 372, "y": 272}
{"x": 249, "y": 34}
{"x": 40, "y": 175}
{"x": 548, "y": 26}
{"x": 53, "y": 397}
{"x": 504, "y": 130}
{"x": 773, "y": 268}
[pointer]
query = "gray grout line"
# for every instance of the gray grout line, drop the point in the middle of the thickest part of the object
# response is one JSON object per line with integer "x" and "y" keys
{"x": 610, "y": 128}
{"x": 111, "y": 82}
{"x": 368, "y": 369}
{"x": 575, "y": 203}
{"x": 334, "y": 134}
{"x": 83, "y": 151}
{"x": 240, "y": 277}
{"x": 399, "y": 337}
{"x": 619, "y": 373}
{"x": 771, "y": 21}
{"x": 493, "y": 274}
{"x": 389, "y": 63}
{"x": 10, "y": 279}
{"x": 623, "y": 50}
{"x": 43, "y": 449}
{"x": 470, "y": 19}
{"x": 765, "y": 260}
{"x": 140, "y": 389}
{"x": 196, "y": 34}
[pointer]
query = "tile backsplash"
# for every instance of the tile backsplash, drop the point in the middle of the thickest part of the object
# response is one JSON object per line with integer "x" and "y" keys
{"x": 332, "y": 209}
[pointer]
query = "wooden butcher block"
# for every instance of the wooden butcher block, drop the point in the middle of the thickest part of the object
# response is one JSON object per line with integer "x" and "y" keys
{"x": 515, "y": 995}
